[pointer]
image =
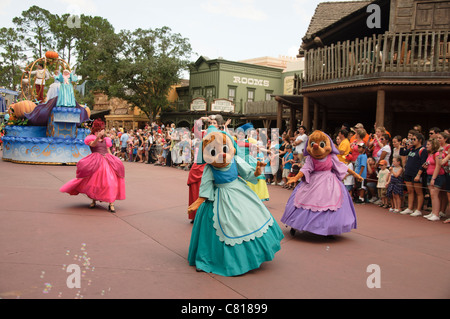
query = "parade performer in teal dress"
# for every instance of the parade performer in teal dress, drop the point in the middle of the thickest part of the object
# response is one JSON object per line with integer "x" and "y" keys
{"x": 233, "y": 231}
{"x": 66, "y": 96}
{"x": 243, "y": 151}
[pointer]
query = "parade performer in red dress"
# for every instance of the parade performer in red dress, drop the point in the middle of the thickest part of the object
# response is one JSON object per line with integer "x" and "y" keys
{"x": 100, "y": 175}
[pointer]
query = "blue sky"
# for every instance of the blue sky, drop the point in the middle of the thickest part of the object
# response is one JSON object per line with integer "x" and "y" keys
{"x": 232, "y": 29}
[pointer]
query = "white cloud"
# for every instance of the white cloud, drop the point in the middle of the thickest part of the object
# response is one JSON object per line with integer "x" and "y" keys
{"x": 3, "y": 5}
{"x": 304, "y": 9}
{"x": 242, "y": 9}
{"x": 293, "y": 50}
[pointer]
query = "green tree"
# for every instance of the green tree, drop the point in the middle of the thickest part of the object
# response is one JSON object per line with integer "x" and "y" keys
{"x": 34, "y": 27}
{"x": 146, "y": 64}
{"x": 95, "y": 47}
{"x": 12, "y": 56}
{"x": 65, "y": 38}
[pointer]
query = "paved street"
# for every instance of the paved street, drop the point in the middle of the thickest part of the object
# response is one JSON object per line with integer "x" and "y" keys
{"x": 141, "y": 251}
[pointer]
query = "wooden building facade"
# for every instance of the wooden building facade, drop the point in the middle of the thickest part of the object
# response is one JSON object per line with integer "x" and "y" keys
{"x": 240, "y": 91}
{"x": 385, "y": 62}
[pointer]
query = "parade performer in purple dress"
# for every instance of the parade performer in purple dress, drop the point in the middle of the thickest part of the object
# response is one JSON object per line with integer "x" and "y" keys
{"x": 100, "y": 175}
{"x": 320, "y": 204}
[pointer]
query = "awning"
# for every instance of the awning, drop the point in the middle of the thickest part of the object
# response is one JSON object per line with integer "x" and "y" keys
{"x": 295, "y": 101}
{"x": 99, "y": 113}
{"x": 6, "y": 91}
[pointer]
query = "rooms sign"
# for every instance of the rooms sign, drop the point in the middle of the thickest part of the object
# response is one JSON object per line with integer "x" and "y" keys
{"x": 250, "y": 81}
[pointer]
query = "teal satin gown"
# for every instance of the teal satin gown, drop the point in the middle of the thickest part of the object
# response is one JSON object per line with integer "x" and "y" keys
{"x": 66, "y": 95}
{"x": 233, "y": 231}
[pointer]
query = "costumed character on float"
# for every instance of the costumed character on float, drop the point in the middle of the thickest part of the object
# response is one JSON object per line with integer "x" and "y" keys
{"x": 243, "y": 150}
{"x": 53, "y": 89}
{"x": 50, "y": 133}
{"x": 100, "y": 175}
{"x": 66, "y": 95}
{"x": 233, "y": 231}
{"x": 320, "y": 203}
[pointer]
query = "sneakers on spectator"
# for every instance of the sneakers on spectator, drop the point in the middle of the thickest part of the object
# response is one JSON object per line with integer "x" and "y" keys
{"x": 378, "y": 202}
{"x": 434, "y": 218}
{"x": 281, "y": 183}
{"x": 274, "y": 183}
{"x": 396, "y": 211}
{"x": 428, "y": 216}
{"x": 406, "y": 211}
{"x": 442, "y": 214}
{"x": 416, "y": 213}
{"x": 373, "y": 199}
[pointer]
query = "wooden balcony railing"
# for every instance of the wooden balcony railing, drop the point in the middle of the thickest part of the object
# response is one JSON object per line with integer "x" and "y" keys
{"x": 261, "y": 107}
{"x": 389, "y": 52}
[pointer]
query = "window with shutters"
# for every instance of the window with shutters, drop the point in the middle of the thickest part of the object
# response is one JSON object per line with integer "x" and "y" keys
{"x": 232, "y": 93}
{"x": 432, "y": 15}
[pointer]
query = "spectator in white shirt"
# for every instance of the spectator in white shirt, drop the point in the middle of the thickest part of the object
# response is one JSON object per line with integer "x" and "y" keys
{"x": 300, "y": 141}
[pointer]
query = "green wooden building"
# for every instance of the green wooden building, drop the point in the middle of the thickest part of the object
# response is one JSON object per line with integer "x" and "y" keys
{"x": 240, "y": 91}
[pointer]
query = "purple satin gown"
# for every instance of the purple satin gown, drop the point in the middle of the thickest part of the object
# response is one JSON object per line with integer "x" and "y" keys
{"x": 320, "y": 204}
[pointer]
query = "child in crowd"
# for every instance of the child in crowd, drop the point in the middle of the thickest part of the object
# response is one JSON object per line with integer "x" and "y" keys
{"x": 268, "y": 169}
{"x": 395, "y": 184}
{"x": 274, "y": 163}
{"x": 383, "y": 176}
{"x": 361, "y": 169}
{"x": 287, "y": 164}
{"x": 372, "y": 181}
{"x": 349, "y": 180}
{"x": 296, "y": 166}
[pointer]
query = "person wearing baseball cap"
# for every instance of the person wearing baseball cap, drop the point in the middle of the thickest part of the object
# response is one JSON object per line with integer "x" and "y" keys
{"x": 383, "y": 176}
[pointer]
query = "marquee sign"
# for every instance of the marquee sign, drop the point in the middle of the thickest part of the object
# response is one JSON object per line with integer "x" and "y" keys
{"x": 222, "y": 105}
{"x": 198, "y": 104}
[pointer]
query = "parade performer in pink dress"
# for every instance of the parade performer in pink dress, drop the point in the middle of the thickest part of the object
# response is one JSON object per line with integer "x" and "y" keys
{"x": 320, "y": 204}
{"x": 100, "y": 175}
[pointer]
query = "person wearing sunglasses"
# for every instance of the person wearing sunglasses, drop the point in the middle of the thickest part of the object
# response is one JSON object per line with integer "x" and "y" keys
{"x": 384, "y": 153}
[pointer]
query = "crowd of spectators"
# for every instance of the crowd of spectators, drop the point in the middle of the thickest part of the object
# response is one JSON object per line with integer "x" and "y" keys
{"x": 401, "y": 174}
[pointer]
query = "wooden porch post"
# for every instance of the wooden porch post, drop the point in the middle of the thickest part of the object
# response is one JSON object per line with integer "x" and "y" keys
{"x": 306, "y": 113}
{"x": 381, "y": 100}
{"x": 316, "y": 116}
{"x": 324, "y": 118}
{"x": 280, "y": 115}
{"x": 293, "y": 121}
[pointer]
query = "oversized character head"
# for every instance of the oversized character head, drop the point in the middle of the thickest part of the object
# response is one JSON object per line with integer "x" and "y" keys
{"x": 319, "y": 145}
{"x": 218, "y": 149}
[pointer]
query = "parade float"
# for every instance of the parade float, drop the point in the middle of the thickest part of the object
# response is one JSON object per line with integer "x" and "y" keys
{"x": 50, "y": 131}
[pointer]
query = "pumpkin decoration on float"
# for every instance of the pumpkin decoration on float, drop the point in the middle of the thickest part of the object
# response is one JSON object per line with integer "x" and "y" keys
{"x": 51, "y": 55}
{"x": 22, "y": 107}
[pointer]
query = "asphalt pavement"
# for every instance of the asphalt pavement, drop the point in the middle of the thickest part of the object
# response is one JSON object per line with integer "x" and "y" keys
{"x": 52, "y": 246}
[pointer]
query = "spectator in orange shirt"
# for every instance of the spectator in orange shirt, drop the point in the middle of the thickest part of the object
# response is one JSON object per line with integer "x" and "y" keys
{"x": 357, "y": 127}
{"x": 344, "y": 146}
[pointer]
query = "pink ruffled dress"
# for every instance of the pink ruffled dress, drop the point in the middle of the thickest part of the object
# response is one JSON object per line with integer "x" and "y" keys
{"x": 100, "y": 175}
